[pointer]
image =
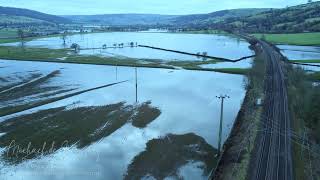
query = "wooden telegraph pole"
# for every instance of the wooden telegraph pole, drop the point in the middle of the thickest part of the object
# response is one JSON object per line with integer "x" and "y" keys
{"x": 136, "y": 84}
{"x": 221, "y": 121}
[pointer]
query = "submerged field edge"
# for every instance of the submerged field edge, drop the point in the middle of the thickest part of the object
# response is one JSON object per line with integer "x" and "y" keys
{"x": 17, "y": 109}
{"x": 69, "y": 56}
{"x": 237, "y": 71}
{"x": 306, "y": 61}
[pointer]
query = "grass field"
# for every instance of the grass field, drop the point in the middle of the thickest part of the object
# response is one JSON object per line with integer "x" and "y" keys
{"x": 304, "y": 39}
{"x": 315, "y": 76}
{"x": 8, "y": 33}
{"x": 307, "y": 61}
{"x": 243, "y": 71}
{"x": 68, "y": 56}
{"x": 9, "y": 36}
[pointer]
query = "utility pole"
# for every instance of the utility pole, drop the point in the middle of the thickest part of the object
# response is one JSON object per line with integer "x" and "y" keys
{"x": 116, "y": 72}
{"x": 221, "y": 121}
{"x": 136, "y": 85}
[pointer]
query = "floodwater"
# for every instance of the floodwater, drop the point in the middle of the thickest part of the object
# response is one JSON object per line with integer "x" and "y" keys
{"x": 300, "y": 52}
{"x": 171, "y": 131}
{"x": 310, "y": 68}
{"x": 214, "y": 44}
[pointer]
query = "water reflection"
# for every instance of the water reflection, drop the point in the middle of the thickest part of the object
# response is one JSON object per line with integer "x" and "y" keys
{"x": 185, "y": 99}
{"x": 165, "y": 156}
{"x": 300, "y": 52}
{"x": 310, "y": 69}
{"x": 49, "y": 130}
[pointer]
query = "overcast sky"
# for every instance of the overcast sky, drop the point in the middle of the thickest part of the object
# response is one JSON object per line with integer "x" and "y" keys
{"x": 69, "y": 7}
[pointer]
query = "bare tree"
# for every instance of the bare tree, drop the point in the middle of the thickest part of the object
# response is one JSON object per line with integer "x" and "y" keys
{"x": 21, "y": 34}
{"x": 204, "y": 54}
{"x": 64, "y": 37}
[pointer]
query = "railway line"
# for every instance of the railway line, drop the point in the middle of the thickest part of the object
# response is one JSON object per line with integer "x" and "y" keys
{"x": 273, "y": 153}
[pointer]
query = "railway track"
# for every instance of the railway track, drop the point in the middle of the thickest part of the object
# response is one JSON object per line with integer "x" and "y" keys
{"x": 273, "y": 153}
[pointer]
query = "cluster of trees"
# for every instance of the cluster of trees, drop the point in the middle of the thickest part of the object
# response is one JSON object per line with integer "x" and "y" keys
{"x": 294, "y": 19}
{"x": 287, "y": 20}
{"x": 76, "y": 47}
{"x": 203, "y": 54}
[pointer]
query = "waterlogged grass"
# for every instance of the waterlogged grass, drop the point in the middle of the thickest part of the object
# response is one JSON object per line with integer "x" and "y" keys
{"x": 191, "y": 64}
{"x": 12, "y": 39}
{"x": 164, "y": 156}
{"x": 242, "y": 71}
{"x": 144, "y": 114}
{"x": 304, "y": 39}
{"x": 306, "y": 61}
{"x": 31, "y": 87}
{"x": 21, "y": 80}
{"x": 8, "y": 33}
{"x": 68, "y": 56}
{"x": 100, "y": 60}
{"x": 11, "y": 36}
{"x": 195, "y": 65}
{"x": 22, "y": 53}
{"x": 63, "y": 127}
{"x": 19, "y": 108}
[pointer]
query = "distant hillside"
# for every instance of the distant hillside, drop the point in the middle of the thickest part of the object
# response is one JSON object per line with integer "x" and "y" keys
{"x": 5, "y": 19}
{"x": 153, "y": 19}
{"x": 29, "y": 15}
{"x": 121, "y": 19}
{"x": 299, "y": 18}
{"x": 218, "y": 16}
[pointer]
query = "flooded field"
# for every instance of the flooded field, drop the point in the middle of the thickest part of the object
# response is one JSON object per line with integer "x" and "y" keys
{"x": 214, "y": 44}
{"x": 300, "y": 52}
{"x": 240, "y": 64}
{"x": 310, "y": 68}
{"x": 89, "y": 121}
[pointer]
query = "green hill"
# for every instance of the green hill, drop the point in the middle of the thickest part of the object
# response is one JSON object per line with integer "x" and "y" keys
{"x": 215, "y": 17}
{"x": 121, "y": 19}
{"x": 11, "y": 15}
{"x": 301, "y": 18}
{"x": 156, "y": 19}
{"x": 14, "y": 20}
